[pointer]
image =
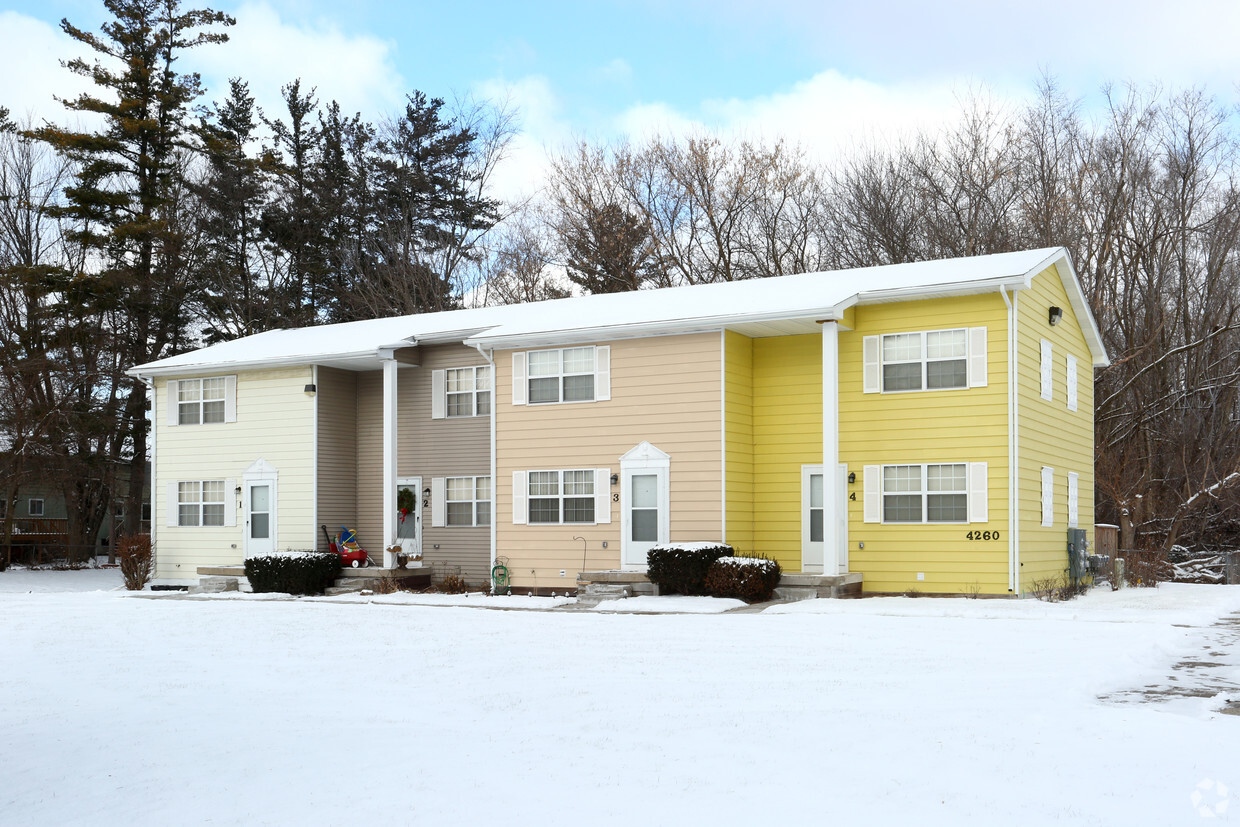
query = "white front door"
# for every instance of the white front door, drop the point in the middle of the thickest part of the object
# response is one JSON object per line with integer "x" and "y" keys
{"x": 644, "y": 514}
{"x": 260, "y": 517}
{"x": 812, "y": 539}
{"x": 409, "y": 515}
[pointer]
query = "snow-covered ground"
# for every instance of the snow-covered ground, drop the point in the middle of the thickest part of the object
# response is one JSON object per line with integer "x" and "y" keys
{"x": 166, "y": 710}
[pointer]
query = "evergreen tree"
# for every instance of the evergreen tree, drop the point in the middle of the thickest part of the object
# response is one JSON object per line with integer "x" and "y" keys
{"x": 610, "y": 252}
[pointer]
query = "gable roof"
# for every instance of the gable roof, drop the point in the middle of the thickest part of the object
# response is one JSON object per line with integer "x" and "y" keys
{"x": 756, "y": 307}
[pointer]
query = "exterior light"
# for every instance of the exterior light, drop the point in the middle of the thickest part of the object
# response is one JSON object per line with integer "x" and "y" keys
{"x": 311, "y": 389}
{"x": 1055, "y": 316}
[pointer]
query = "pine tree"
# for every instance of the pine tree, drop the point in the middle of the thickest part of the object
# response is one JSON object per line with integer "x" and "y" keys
{"x": 610, "y": 252}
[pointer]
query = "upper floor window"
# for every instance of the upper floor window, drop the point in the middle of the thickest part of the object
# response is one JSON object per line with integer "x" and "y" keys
{"x": 34, "y": 507}
{"x": 468, "y": 391}
{"x": 571, "y": 374}
{"x": 202, "y": 401}
{"x": 925, "y": 360}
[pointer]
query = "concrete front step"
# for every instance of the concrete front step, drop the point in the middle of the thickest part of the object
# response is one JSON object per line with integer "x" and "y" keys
{"x": 597, "y": 586}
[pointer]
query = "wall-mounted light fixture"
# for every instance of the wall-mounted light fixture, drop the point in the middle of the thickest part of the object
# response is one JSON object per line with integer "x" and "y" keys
{"x": 426, "y": 492}
{"x": 311, "y": 389}
{"x": 852, "y": 477}
{"x": 1055, "y": 315}
{"x": 615, "y": 479}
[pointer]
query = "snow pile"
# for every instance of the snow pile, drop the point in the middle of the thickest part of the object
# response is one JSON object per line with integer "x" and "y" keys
{"x": 688, "y": 546}
{"x": 755, "y": 562}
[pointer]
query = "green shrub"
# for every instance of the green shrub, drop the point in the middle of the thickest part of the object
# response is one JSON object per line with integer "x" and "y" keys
{"x": 680, "y": 568}
{"x": 294, "y": 572}
{"x": 752, "y": 579}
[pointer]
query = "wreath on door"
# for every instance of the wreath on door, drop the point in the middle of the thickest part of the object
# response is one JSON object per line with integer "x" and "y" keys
{"x": 405, "y": 502}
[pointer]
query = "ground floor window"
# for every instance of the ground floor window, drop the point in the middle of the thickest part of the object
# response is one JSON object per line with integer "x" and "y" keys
{"x": 561, "y": 496}
{"x": 200, "y": 502}
{"x": 468, "y": 501}
{"x": 925, "y": 493}
{"x": 34, "y": 507}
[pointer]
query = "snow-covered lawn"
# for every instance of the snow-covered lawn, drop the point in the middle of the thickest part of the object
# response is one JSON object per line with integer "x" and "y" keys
{"x": 121, "y": 710}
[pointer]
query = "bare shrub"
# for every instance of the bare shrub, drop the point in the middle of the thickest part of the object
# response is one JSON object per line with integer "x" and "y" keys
{"x": 134, "y": 553}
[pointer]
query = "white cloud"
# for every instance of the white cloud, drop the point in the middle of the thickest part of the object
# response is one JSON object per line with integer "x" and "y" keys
{"x": 543, "y": 128}
{"x": 32, "y": 74}
{"x": 268, "y": 52}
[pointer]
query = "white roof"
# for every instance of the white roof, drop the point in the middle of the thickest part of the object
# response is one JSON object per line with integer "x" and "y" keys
{"x": 757, "y": 307}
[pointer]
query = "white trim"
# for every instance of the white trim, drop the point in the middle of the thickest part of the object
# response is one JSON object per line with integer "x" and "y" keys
{"x": 872, "y": 496}
{"x": 925, "y": 494}
{"x": 602, "y": 496}
{"x": 230, "y": 503}
{"x": 925, "y": 360}
{"x": 439, "y": 500}
{"x": 602, "y": 373}
{"x": 263, "y": 472}
{"x": 1048, "y": 497}
{"x": 439, "y": 394}
{"x": 831, "y": 495}
{"x": 230, "y": 398}
{"x": 599, "y": 393}
{"x": 643, "y": 458}
{"x": 519, "y": 377}
{"x": 520, "y": 498}
{"x": 976, "y": 369}
{"x": 871, "y": 364}
{"x": 979, "y": 492}
{"x": 170, "y": 392}
{"x": 1012, "y": 470}
{"x": 390, "y": 412}
{"x": 723, "y": 434}
{"x": 561, "y": 496}
{"x": 314, "y": 457}
{"x": 1074, "y": 499}
{"x": 1072, "y": 382}
{"x": 1046, "y": 370}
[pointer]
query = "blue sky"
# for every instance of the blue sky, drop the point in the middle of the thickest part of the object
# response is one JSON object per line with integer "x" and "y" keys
{"x": 826, "y": 74}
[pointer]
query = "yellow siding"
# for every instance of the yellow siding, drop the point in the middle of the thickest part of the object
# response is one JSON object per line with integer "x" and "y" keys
{"x": 968, "y": 425}
{"x": 738, "y": 435}
{"x": 666, "y": 391}
{"x": 275, "y": 422}
{"x": 787, "y": 433}
{"x": 1050, "y": 434}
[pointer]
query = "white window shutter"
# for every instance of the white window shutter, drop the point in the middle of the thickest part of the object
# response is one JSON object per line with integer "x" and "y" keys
{"x": 1074, "y": 499}
{"x": 171, "y": 417}
{"x": 1047, "y": 369}
{"x": 518, "y": 378}
{"x": 171, "y": 509}
{"x": 979, "y": 493}
{"x": 439, "y": 395}
{"x": 602, "y": 495}
{"x": 230, "y": 398}
{"x": 602, "y": 374}
{"x": 519, "y": 487}
{"x": 871, "y": 372}
{"x": 977, "y": 357}
{"x": 230, "y": 502}
{"x": 873, "y": 505}
{"x": 439, "y": 502}
{"x": 1072, "y": 404}
{"x": 1048, "y": 496}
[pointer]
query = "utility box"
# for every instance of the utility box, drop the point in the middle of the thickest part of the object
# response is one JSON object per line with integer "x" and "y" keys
{"x": 1078, "y": 553}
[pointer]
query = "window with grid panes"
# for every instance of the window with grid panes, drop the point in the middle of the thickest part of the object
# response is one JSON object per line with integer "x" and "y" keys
{"x": 925, "y": 493}
{"x": 468, "y": 391}
{"x": 468, "y": 501}
{"x": 200, "y": 502}
{"x": 930, "y": 360}
{"x": 200, "y": 401}
{"x": 561, "y": 496}
{"x": 565, "y": 375}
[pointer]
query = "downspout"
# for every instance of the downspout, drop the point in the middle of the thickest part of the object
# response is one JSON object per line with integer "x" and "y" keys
{"x": 1013, "y": 449}
{"x": 150, "y": 384}
{"x": 314, "y": 457}
{"x": 490, "y": 357}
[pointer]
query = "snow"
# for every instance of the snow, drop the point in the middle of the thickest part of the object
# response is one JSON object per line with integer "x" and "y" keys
{"x": 756, "y": 562}
{"x": 804, "y": 295}
{"x": 680, "y": 603}
{"x": 879, "y": 711}
{"x": 19, "y": 579}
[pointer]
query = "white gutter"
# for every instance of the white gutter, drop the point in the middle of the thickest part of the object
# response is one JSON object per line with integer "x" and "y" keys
{"x": 723, "y": 434}
{"x": 1013, "y": 472}
{"x": 490, "y": 357}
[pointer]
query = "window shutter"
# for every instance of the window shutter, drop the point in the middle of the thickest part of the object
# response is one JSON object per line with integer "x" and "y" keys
{"x": 602, "y": 495}
{"x": 871, "y": 373}
{"x": 1073, "y": 499}
{"x": 1048, "y": 496}
{"x": 979, "y": 494}
{"x": 1071, "y": 382}
{"x": 230, "y": 398}
{"x": 1046, "y": 369}
{"x": 439, "y": 502}
{"x": 230, "y": 502}
{"x": 171, "y": 417}
{"x": 518, "y": 378}
{"x": 873, "y": 505}
{"x": 602, "y": 374}
{"x": 977, "y": 357}
{"x": 439, "y": 397}
{"x": 519, "y": 483}
{"x": 170, "y": 509}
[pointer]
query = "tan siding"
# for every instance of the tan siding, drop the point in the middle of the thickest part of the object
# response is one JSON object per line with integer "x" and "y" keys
{"x": 426, "y": 448}
{"x": 274, "y": 422}
{"x": 337, "y": 450}
{"x": 1050, "y": 434}
{"x": 664, "y": 390}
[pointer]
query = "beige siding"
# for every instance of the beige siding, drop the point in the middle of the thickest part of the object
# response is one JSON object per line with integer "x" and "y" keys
{"x": 275, "y": 422}
{"x": 337, "y": 450}
{"x": 666, "y": 391}
{"x": 1051, "y": 435}
{"x": 426, "y": 448}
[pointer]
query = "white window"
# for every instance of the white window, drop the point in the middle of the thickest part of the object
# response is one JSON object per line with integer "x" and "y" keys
{"x": 200, "y": 502}
{"x": 1048, "y": 496}
{"x": 1047, "y": 370}
{"x": 1074, "y": 499}
{"x": 34, "y": 507}
{"x": 202, "y": 401}
{"x": 461, "y": 392}
{"x": 572, "y": 374}
{"x": 925, "y": 493}
{"x": 561, "y": 496}
{"x": 925, "y": 360}
{"x": 468, "y": 501}
{"x": 1071, "y": 364}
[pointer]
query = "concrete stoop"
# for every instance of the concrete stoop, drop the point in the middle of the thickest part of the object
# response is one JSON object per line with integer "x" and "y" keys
{"x": 799, "y": 586}
{"x": 216, "y": 579}
{"x": 593, "y": 587}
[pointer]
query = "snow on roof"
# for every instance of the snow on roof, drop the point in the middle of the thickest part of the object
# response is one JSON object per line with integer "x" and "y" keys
{"x": 813, "y": 296}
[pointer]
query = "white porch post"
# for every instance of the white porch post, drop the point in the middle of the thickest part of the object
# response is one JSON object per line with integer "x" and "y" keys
{"x": 389, "y": 461}
{"x": 832, "y": 496}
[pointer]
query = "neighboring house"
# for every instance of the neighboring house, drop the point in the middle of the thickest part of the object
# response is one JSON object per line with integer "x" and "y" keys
{"x": 573, "y": 434}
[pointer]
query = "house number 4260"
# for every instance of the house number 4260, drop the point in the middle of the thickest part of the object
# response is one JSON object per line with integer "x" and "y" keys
{"x": 982, "y": 535}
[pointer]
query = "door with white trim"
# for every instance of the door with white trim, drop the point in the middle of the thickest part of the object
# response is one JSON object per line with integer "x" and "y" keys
{"x": 812, "y": 528}
{"x": 645, "y": 495}
{"x": 260, "y": 516}
{"x": 409, "y": 515}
